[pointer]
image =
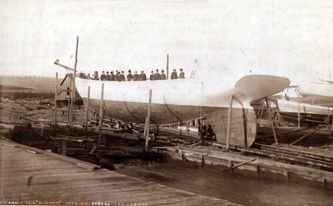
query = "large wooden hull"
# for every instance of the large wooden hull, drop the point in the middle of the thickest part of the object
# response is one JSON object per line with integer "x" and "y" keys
{"x": 175, "y": 101}
{"x": 243, "y": 121}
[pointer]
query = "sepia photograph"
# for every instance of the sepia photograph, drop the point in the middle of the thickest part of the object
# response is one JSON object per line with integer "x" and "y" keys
{"x": 166, "y": 102}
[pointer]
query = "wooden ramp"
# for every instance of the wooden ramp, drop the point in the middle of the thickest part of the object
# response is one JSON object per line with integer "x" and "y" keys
{"x": 32, "y": 175}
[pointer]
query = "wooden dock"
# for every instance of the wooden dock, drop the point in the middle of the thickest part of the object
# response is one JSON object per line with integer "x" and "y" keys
{"x": 257, "y": 164}
{"x": 30, "y": 175}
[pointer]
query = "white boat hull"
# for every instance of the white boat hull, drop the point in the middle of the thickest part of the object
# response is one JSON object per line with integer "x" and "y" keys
{"x": 175, "y": 101}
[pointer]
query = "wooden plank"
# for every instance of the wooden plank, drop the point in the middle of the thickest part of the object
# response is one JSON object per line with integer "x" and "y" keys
{"x": 55, "y": 99}
{"x": 87, "y": 110}
{"x": 101, "y": 116}
{"x": 229, "y": 122}
{"x": 147, "y": 123}
{"x": 263, "y": 163}
{"x": 36, "y": 176}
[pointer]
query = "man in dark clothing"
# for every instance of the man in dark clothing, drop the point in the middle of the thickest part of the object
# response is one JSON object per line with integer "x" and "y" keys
{"x": 103, "y": 76}
{"x": 181, "y": 74}
{"x": 210, "y": 133}
{"x": 157, "y": 75}
{"x": 151, "y": 77}
{"x": 117, "y": 76}
{"x": 143, "y": 76}
{"x": 136, "y": 77}
{"x": 122, "y": 76}
{"x": 163, "y": 76}
{"x": 95, "y": 76}
{"x": 174, "y": 74}
{"x": 107, "y": 77}
{"x": 112, "y": 77}
{"x": 129, "y": 76}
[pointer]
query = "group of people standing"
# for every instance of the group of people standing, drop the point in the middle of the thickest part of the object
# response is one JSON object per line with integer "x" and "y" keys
{"x": 120, "y": 76}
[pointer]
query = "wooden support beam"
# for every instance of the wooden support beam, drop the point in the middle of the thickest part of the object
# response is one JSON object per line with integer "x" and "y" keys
{"x": 167, "y": 67}
{"x": 55, "y": 99}
{"x": 73, "y": 89}
{"x": 203, "y": 162}
{"x": 229, "y": 123}
{"x": 258, "y": 172}
{"x": 299, "y": 111}
{"x": 241, "y": 164}
{"x": 101, "y": 115}
{"x": 306, "y": 135}
{"x": 332, "y": 121}
{"x": 147, "y": 123}
{"x": 64, "y": 147}
{"x": 87, "y": 112}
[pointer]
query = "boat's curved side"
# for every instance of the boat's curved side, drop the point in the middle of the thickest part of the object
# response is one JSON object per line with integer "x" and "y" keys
{"x": 243, "y": 121}
{"x": 173, "y": 102}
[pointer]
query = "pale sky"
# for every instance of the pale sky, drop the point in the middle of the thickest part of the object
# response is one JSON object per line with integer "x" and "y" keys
{"x": 211, "y": 37}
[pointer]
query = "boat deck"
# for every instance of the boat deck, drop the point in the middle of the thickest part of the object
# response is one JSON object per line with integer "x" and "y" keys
{"x": 29, "y": 175}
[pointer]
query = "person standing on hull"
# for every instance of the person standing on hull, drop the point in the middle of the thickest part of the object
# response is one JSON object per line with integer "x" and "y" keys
{"x": 151, "y": 77}
{"x": 112, "y": 77}
{"x": 143, "y": 76}
{"x": 157, "y": 75}
{"x": 181, "y": 74}
{"x": 107, "y": 77}
{"x": 174, "y": 74}
{"x": 163, "y": 76}
{"x": 129, "y": 76}
{"x": 116, "y": 75}
{"x": 136, "y": 77}
{"x": 122, "y": 76}
{"x": 103, "y": 76}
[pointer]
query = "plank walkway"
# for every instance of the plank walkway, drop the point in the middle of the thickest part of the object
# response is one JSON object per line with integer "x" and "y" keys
{"x": 29, "y": 174}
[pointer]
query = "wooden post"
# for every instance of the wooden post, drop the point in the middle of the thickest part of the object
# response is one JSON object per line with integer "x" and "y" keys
{"x": 299, "y": 111}
{"x": 188, "y": 128}
{"x": 167, "y": 67}
{"x": 147, "y": 123}
{"x": 55, "y": 99}
{"x": 73, "y": 90}
{"x": 87, "y": 112}
{"x": 69, "y": 104}
{"x": 101, "y": 115}
{"x": 229, "y": 122}
{"x": 258, "y": 172}
{"x": 64, "y": 147}
{"x": 332, "y": 122}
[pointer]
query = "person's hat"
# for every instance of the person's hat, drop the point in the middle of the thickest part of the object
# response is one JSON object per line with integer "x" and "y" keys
{"x": 181, "y": 69}
{"x": 157, "y": 70}
{"x": 129, "y": 71}
{"x": 162, "y": 70}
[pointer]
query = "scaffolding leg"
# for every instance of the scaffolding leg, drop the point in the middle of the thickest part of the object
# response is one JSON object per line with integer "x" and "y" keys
{"x": 101, "y": 116}
{"x": 87, "y": 112}
{"x": 147, "y": 123}
{"x": 229, "y": 123}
